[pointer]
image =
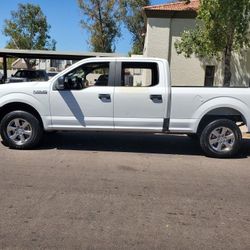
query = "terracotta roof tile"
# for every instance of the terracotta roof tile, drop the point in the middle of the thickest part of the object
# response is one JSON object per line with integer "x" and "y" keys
{"x": 176, "y": 6}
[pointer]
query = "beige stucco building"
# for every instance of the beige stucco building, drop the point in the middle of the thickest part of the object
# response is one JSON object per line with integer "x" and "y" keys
{"x": 165, "y": 24}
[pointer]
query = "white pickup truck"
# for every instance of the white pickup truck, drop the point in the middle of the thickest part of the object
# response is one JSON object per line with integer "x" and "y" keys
{"x": 123, "y": 94}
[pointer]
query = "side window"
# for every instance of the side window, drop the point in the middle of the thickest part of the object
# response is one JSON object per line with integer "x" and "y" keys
{"x": 88, "y": 75}
{"x": 17, "y": 74}
{"x": 137, "y": 74}
{"x": 25, "y": 74}
{"x": 98, "y": 75}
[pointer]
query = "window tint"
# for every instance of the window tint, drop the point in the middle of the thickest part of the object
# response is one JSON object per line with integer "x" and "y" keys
{"x": 18, "y": 74}
{"x": 88, "y": 75}
{"x": 30, "y": 74}
{"x": 139, "y": 74}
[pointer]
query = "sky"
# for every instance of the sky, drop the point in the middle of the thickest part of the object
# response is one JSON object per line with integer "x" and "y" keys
{"x": 64, "y": 17}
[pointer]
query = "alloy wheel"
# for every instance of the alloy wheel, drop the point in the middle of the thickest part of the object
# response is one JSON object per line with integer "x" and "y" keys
{"x": 19, "y": 131}
{"x": 222, "y": 139}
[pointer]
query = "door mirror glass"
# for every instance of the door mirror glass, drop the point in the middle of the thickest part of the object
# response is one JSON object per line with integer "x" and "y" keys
{"x": 60, "y": 83}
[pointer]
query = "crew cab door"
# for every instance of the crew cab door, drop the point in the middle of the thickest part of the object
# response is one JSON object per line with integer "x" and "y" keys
{"x": 140, "y": 98}
{"x": 83, "y": 97}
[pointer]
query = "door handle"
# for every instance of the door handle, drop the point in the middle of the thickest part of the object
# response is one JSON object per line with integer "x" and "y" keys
{"x": 156, "y": 98}
{"x": 105, "y": 97}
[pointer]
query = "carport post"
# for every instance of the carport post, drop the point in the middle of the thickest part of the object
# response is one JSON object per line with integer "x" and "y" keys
{"x": 4, "y": 68}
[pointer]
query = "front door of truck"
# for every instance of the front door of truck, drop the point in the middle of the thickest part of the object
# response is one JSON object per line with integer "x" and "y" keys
{"x": 83, "y": 97}
{"x": 140, "y": 98}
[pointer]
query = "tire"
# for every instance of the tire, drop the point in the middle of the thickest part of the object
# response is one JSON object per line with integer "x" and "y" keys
{"x": 221, "y": 139}
{"x": 21, "y": 130}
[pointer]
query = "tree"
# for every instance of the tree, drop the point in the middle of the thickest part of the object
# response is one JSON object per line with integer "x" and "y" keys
{"x": 101, "y": 18}
{"x": 222, "y": 27}
{"x": 28, "y": 29}
{"x": 133, "y": 17}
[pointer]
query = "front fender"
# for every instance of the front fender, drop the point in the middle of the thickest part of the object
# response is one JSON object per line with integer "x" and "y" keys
{"x": 30, "y": 100}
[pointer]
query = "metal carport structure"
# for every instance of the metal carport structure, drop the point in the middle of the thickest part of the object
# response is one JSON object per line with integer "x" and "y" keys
{"x": 48, "y": 54}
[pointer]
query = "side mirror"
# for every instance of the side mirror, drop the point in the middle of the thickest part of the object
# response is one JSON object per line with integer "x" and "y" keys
{"x": 12, "y": 75}
{"x": 60, "y": 83}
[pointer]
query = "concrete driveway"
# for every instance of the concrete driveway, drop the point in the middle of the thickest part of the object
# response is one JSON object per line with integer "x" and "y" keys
{"x": 122, "y": 191}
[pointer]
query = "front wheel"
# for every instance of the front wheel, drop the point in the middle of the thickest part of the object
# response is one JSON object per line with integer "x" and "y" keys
{"x": 221, "y": 139}
{"x": 21, "y": 130}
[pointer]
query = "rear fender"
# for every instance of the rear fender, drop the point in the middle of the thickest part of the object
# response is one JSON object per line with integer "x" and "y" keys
{"x": 222, "y": 102}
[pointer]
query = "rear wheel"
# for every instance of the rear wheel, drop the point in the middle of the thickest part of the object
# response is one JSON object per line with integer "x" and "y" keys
{"x": 21, "y": 130}
{"x": 221, "y": 139}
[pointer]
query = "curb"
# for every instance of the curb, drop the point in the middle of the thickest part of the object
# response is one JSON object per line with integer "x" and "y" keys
{"x": 245, "y": 136}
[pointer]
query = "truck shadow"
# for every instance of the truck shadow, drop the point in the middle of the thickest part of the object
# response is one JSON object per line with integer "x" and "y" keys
{"x": 128, "y": 142}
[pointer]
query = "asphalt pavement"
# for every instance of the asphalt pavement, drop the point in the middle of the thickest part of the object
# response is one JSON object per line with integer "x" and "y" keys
{"x": 123, "y": 191}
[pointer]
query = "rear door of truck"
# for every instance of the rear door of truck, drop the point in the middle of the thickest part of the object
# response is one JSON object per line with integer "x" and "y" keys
{"x": 141, "y": 95}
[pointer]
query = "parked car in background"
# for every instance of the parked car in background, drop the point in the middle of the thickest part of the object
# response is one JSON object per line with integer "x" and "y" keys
{"x": 28, "y": 76}
{"x": 51, "y": 74}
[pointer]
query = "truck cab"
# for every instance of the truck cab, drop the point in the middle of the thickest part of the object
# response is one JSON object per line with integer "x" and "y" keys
{"x": 115, "y": 94}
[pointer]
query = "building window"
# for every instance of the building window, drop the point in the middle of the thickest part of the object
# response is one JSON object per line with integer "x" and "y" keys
{"x": 209, "y": 76}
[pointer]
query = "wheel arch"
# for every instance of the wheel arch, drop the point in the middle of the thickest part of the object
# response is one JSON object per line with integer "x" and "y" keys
{"x": 19, "y": 106}
{"x": 222, "y": 108}
{"x": 221, "y": 113}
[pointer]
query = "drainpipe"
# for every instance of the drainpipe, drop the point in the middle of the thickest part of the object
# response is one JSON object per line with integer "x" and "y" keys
{"x": 170, "y": 39}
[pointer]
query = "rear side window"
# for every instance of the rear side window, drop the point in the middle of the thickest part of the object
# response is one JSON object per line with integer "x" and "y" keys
{"x": 139, "y": 74}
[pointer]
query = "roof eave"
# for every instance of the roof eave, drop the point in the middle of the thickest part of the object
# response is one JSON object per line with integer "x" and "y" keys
{"x": 170, "y": 13}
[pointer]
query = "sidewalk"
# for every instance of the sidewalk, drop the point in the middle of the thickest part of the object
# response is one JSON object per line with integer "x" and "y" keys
{"x": 244, "y": 132}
